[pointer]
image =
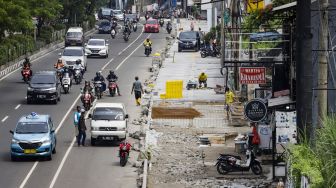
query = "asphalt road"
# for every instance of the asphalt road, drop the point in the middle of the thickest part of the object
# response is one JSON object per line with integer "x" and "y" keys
{"x": 74, "y": 166}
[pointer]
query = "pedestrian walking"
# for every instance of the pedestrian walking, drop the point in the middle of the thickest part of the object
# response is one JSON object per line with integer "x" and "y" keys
{"x": 229, "y": 98}
{"x": 137, "y": 88}
{"x": 81, "y": 129}
{"x": 76, "y": 119}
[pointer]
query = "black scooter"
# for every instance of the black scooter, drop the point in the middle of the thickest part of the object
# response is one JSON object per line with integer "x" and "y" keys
{"x": 206, "y": 51}
{"x": 231, "y": 163}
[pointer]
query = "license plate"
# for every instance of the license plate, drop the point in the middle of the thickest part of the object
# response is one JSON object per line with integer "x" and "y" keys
{"x": 41, "y": 96}
{"x": 73, "y": 43}
{"x": 108, "y": 138}
{"x": 29, "y": 151}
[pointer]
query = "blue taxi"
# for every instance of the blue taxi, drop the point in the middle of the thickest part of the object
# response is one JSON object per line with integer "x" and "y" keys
{"x": 34, "y": 136}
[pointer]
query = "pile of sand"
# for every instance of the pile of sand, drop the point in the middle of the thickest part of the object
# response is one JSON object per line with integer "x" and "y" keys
{"x": 174, "y": 113}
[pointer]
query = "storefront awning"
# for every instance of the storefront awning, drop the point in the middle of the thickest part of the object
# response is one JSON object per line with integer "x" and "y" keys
{"x": 280, "y": 101}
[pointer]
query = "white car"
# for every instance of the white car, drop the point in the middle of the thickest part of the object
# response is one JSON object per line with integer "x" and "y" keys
{"x": 108, "y": 122}
{"x": 73, "y": 53}
{"x": 118, "y": 14}
{"x": 97, "y": 47}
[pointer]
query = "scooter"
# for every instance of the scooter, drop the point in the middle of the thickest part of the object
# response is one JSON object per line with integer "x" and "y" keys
{"x": 87, "y": 100}
{"x": 231, "y": 163}
{"x": 112, "y": 87}
{"x": 124, "y": 153}
{"x": 113, "y": 33}
{"x": 26, "y": 75}
{"x": 147, "y": 50}
{"x": 126, "y": 36}
{"x": 78, "y": 76}
{"x": 161, "y": 22}
{"x": 169, "y": 28}
{"x": 66, "y": 83}
{"x": 135, "y": 27}
{"x": 98, "y": 89}
{"x": 206, "y": 51}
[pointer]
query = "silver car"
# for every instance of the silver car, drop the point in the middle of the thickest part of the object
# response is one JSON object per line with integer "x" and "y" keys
{"x": 71, "y": 54}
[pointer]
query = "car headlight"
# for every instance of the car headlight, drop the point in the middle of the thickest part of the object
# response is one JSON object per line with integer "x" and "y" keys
{"x": 14, "y": 141}
{"x": 194, "y": 42}
{"x": 51, "y": 90}
{"x": 30, "y": 89}
{"x": 122, "y": 129}
{"x": 47, "y": 141}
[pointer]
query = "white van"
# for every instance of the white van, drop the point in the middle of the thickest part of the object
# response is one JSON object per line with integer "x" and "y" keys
{"x": 108, "y": 122}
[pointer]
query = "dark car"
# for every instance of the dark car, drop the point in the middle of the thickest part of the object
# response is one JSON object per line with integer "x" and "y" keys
{"x": 105, "y": 13}
{"x": 131, "y": 17}
{"x": 44, "y": 86}
{"x": 189, "y": 40}
{"x": 105, "y": 26}
{"x": 265, "y": 36}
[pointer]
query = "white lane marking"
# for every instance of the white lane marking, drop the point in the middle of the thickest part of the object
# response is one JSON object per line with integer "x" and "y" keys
{"x": 28, "y": 175}
{"x": 62, "y": 163}
{"x": 18, "y": 106}
{"x": 62, "y": 121}
{"x": 120, "y": 52}
{"x": 130, "y": 54}
{"x": 25, "y": 97}
{"x": 4, "y": 119}
{"x": 106, "y": 64}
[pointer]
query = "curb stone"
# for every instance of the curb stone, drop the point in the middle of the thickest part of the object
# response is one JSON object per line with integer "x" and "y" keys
{"x": 13, "y": 66}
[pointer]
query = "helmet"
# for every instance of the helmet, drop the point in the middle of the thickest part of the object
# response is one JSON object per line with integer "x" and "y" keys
{"x": 111, "y": 72}
{"x": 27, "y": 59}
{"x": 147, "y": 39}
{"x": 97, "y": 73}
{"x": 78, "y": 61}
{"x": 59, "y": 60}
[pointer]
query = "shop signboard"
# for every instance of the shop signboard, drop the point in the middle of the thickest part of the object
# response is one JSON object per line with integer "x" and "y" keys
{"x": 255, "y": 110}
{"x": 252, "y": 75}
{"x": 286, "y": 129}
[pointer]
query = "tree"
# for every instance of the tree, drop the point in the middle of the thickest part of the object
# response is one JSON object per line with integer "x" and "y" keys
{"x": 14, "y": 17}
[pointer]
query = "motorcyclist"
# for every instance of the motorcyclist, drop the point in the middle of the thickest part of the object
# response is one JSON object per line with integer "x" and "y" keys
{"x": 113, "y": 76}
{"x": 202, "y": 78}
{"x": 148, "y": 42}
{"x": 114, "y": 24}
{"x": 26, "y": 65}
{"x": 128, "y": 147}
{"x": 79, "y": 66}
{"x": 100, "y": 78}
{"x": 87, "y": 87}
{"x": 67, "y": 73}
{"x": 59, "y": 64}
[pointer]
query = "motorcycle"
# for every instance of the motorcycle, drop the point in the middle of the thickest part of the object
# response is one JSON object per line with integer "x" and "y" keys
{"x": 206, "y": 51}
{"x": 147, "y": 50}
{"x": 78, "y": 76}
{"x": 126, "y": 36}
{"x": 26, "y": 75}
{"x": 161, "y": 22}
{"x": 124, "y": 149}
{"x": 87, "y": 100}
{"x": 135, "y": 27}
{"x": 113, "y": 33}
{"x": 231, "y": 163}
{"x": 98, "y": 89}
{"x": 66, "y": 83}
{"x": 169, "y": 28}
{"x": 112, "y": 87}
{"x": 59, "y": 72}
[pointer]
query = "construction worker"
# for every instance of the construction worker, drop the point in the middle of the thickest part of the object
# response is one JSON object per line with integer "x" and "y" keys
{"x": 202, "y": 78}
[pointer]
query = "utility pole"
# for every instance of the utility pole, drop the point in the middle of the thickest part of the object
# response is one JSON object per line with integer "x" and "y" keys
{"x": 222, "y": 41}
{"x": 235, "y": 38}
{"x": 323, "y": 55}
{"x": 304, "y": 68}
{"x": 213, "y": 19}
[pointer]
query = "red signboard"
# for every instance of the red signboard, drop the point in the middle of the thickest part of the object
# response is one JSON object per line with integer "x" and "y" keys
{"x": 252, "y": 75}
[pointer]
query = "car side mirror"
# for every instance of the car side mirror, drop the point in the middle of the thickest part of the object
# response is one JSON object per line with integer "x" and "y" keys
{"x": 85, "y": 44}
{"x": 126, "y": 116}
{"x": 12, "y": 132}
{"x": 52, "y": 131}
{"x": 90, "y": 116}
{"x": 177, "y": 38}
{"x": 59, "y": 54}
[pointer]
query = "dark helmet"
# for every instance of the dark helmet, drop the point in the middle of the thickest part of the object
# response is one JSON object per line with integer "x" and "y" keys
{"x": 87, "y": 82}
{"x": 78, "y": 61}
{"x": 147, "y": 39}
{"x": 111, "y": 72}
{"x": 27, "y": 59}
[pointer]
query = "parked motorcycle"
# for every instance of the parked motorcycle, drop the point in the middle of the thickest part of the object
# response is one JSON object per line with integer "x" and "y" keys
{"x": 113, "y": 33}
{"x": 112, "y": 87}
{"x": 206, "y": 51}
{"x": 98, "y": 89}
{"x": 26, "y": 75}
{"x": 78, "y": 76}
{"x": 161, "y": 22}
{"x": 231, "y": 163}
{"x": 124, "y": 149}
{"x": 66, "y": 82}
{"x": 87, "y": 100}
{"x": 147, "y": 50}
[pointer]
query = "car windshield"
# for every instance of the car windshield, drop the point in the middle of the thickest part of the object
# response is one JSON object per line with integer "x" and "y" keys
{"x": 108, "y": 113}
{"x": 74, "y": 34}
{"x": 117, "y": 12}
{"x": 106, "y": 12}
{"x": 96, "y": 43}
{"x": 43, "y": 79}
{"x": 105, "y": 23}
{"x": 187, "y": 35}
{"x": 151, "y": 22}
{"x": 73, "y": 52}
{"x": 31, "y": 127}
